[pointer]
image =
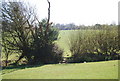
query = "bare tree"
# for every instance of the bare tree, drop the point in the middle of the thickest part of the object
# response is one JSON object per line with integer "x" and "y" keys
{"x": 15, "y": 24}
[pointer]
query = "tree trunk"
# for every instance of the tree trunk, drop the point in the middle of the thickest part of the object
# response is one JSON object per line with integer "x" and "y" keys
{"x": 19, "y": 59}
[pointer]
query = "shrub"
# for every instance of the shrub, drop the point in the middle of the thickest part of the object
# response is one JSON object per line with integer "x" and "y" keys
{"x": 94, "y": 45}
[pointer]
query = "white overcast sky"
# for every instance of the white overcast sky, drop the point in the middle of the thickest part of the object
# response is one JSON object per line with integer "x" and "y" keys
{"x": 87, "y": 12}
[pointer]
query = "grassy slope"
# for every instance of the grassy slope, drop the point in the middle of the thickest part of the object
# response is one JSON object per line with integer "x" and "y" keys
{"x": 63, "y": 41}
{"x": 96, "y": 70}
{"x": 66, "y": 35}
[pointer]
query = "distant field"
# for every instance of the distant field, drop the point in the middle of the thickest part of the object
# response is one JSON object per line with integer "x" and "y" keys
{"x": 63, "y": 41}
{"x": 93, "y": 70}
{"x": 66, "y": 35}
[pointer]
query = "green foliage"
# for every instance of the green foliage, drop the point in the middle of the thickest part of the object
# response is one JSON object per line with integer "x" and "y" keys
{"x": 95, "y": 45}
{"x": 30, "y": 40}
{"x": 14, "y": 34}
{"x": 43, "y": 47}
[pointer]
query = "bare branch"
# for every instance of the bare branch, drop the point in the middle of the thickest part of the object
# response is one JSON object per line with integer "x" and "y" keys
{"x": 47, "y": 27}
{"x": 40, "y": 25}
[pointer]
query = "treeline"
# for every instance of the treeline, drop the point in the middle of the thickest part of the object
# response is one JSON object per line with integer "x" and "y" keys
{"x": 95, "y": 45}
{"x": 72, "y": 26}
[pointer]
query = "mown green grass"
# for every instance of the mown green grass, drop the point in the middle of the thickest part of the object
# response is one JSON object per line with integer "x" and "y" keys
{"x": 92, "y": 70}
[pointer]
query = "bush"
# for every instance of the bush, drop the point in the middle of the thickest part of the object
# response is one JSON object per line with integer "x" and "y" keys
{"x": 95, "y": 45}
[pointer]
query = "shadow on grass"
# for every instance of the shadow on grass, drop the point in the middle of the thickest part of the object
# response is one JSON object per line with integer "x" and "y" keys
{"x": 12, "y": 68}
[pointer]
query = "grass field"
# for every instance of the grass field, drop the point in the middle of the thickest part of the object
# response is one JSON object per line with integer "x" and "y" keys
{"x": 92, "y": 70}
{"x": 63, "y": 40}
{"x": 65, "y": 36}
